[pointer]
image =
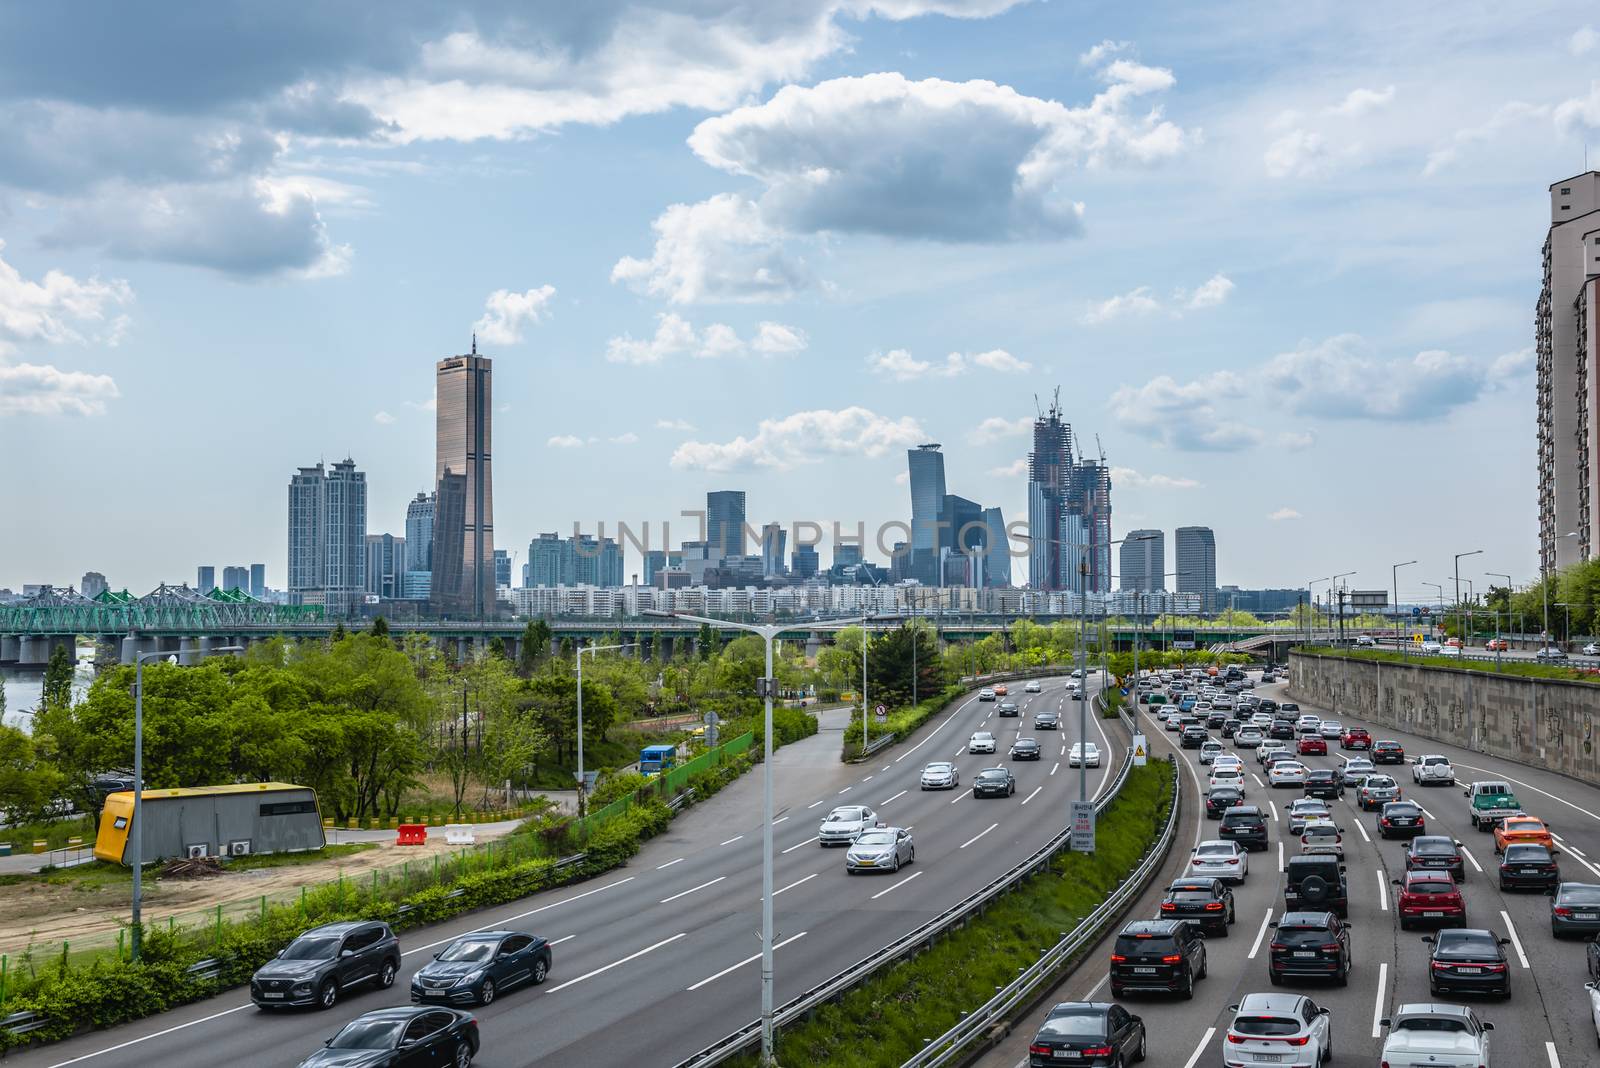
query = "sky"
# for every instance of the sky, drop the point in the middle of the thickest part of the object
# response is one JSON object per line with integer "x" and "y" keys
{"x": 1281, "y": 260}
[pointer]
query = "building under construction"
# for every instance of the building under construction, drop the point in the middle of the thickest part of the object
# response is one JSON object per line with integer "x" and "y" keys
{"x": 1069, "y": 510}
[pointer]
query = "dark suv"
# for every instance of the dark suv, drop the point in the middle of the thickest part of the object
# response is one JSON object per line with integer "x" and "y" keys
{"x": 1163, "y": 955}
{"x": 1323, "y": 782}
{"x": 324, "y": 962}
{"x": 1316, "y": 883}
{"x": 1193, "y": 736}
{"x": 1310, "y": 943}
{"x": 1205, "y": 901}
{"x": 1244, "y": 824}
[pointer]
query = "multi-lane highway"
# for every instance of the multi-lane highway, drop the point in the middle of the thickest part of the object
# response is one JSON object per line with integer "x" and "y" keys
{"x": 658, "y": 959}
{"x": 1547, "y": 1020}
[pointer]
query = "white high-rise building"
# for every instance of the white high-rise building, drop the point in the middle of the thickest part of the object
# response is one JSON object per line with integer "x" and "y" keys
{"x": 328, "y": 536}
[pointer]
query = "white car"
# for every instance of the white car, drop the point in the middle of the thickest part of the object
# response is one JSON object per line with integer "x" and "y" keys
{"x": 1356, "y": 771}
{"x": 1591, "y": 649}
{"x": 1209, "y": 751}
{"x": 1278, "y": 1029}
{"x": 1305, "y": 809}
{"x": 1247, "y": 737}
{"x": 1428, "y": 1033}
{"x": 1219, "y": 860}
{"x": 1366, "y": 641}
{"x": 986, "y": 694}
{"x": 1031, "y": 686}
{"x": 940, "y": 775}
{"x": 1447, "y": 650}
{"x": 1308, "y": 720}
{"x": 1267, "y": 750}
{"x": 1321, "y": 836}
{"x": 1227, "y": 760}
{"x": 1430, "y": 648}
{"x": 1287, "y": 773}
{"x": 1261, "y": 719}
{"x": 1228, "y": 776}
{"x": 1332, "y": 729}
{"x": 981, "y": 742}
{"x": 1086, "y": 753}
{"x": 841, "y": 826}
{"x": 1432, "y": 768}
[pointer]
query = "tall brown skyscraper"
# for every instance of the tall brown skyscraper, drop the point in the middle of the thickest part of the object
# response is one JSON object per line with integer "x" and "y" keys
{"x": 463, "y": 532}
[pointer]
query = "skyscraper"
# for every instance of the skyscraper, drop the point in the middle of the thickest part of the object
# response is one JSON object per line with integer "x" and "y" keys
{"x": 1089, "y": 496}
{"x": 1069, "y": 511}
{"x": 205, "y": 578}
{"x": 463, "y": 533}
{"x": 419, "y": 533}
{"x": 659, "y": 560}
{"x": 1195, "y": 554}
{"x": 545, "y": 561}
{"x": 773, "y": 540}
{"x": 502, "y": 568}
{"x": 93, "y": 584}
{"x": 236, "y": 578}
{"x": 258, "y": 581}
{"x": 846, "y": 554}
{"x": 1144, "y": 560}
{"x": 328, "y": 536}
{"x": 803, "y": 563}
{"x": 725, "y": 521}
{"x": 997, "y": 561}
{"x": 925, "y": 466}
{"x": 386, "y": 562}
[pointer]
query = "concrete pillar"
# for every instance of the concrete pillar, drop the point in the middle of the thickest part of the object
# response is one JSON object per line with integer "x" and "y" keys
{"x": 32, "y": 651}
{"x": 189, "y": 651}
{"x": 10, "y": 648}
{"x": 813, "y": 645}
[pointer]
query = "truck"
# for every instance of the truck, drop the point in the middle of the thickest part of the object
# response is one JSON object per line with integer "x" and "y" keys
{"x": 1492, "y": 801}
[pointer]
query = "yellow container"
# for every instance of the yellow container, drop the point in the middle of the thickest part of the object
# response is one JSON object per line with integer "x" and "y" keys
{"x": 40, "y": 845}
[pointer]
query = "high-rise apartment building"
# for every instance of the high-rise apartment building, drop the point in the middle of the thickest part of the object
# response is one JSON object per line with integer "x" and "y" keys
{"x": 502, "y": 568}
{"x": 773, "y": 540}
{"x": 1567, "y": 344}
{"x": 1089, "y": 496}
{"x": 725, "y": 521}
{"x": 258, "y": 581}
{"x": 463, "y": 532}
{"x": 577, "y": 561}
{"x": 846, "y": 554}
{"x": 545, "y": 561}
{"x": 419, "y": 533}
{"x": 93, "y": 584}
{"x": 236, "y": 578}
{"x": 386, "y": 565}
{"x": 205, "y": 578}
{"x": 1195, "y": 554}
{"x": 1144, "y": 560}
{"x": 328, "y": 536}
{"x": 659, "y": 560}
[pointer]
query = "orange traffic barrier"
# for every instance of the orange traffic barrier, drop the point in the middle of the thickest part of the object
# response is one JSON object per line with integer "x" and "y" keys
{"x": 412, "y": 834}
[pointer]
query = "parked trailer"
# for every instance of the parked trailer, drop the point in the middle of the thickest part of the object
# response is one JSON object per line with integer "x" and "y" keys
{"x": 213, "y": 821}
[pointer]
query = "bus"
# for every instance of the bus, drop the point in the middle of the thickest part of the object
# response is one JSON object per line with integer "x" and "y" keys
{"x": 654, "y": 759}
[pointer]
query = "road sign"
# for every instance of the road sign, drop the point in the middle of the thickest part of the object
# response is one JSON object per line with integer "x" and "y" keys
{"x": 1360, "y": 599}
{"x": 1415, "y": 611}
{"x": 588, "y": 781}
{"x": 712, "y": 719}
{"x": 1141, "y": 751}
{"x": 1183, "y": 639}
{"x": 1083, "y": 826}
{"x": 1416, "y": 639}
{"x": 881, "y": 711}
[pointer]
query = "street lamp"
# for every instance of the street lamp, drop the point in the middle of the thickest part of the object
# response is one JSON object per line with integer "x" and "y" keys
{"x": 1332, "y": 583}
{"x": 137, "y": 838}
{"x": 1311, "y": 607}
{"x": 1438, "y": 588}
{"x": 583, "y": 787}
{"x": 1498, "y": 633}
{"x": 1394, "y": 574}
{"x": 1462, "y": 635}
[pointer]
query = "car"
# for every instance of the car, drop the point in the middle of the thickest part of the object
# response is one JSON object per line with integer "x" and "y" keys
{"x": 1315, "y": 882}
{"x": 1047, "y": 720}
{"x": 1436, "y": 852}
{"x": 880, "y": 849}
{"x": 1388, "y": 751}
{"x": 1430, "y": 1033}
{"x": 1158, "y": 955}
{"x": 1223, "y": 860}
{"x": 323, "y": 964}
{"x": 1322, "y": 836}
{"x": 1312, "y": 745}
{"x": 1402, "y": 819}
{"x": 1302, "y": 809}
{"x": 1230, "y": 727}
{"x": 1429, "y": 648}
{"x": 1277, "y": 1029}
{"x": 941, "y": 775}
{"x": 981, "y": 742}
{"x": 475, "y": 967}
{"x": 1220, "y": 799}
{"x": 994, "y": 782}
{"x": 1192, "y": 737}
{"x": 1085, "y": 753}
{"x": 1227, "y": 760}
{"x": 1009, "y": 709}
{"x": 1174, "y": 721}
{"x": 1268, "y": 677}
{"x": 1209, "y": 751}
{"x": 1205, "y": 901}
{"x": 1500, "y": 645}
{"x": 986, "y": 694}
{"x": 1433, "y": 769}
{"x": 1289, "y": 706}
{"x": 1376, "y": 791}
{"x": 1550, "y": 654}
{"x": 401, "y": 1036}
{"x": 1000, "y": 689}
{"x": 1032, "y": 686}
{"x": 840, "y": 826}
{"x": 1226, "y": 775}
{"x": 1247, "y": 737}
{"x": 1366, "y": 641}
{"x": 1429, "y": 897}
{"x": 1575, "y": 909}
{"x": 1331, "y": 729}
{"x": 1307, "y": 719}
{"x": 1448, "y": 649}
{"x": 1075, "y": 693}
{"x": 1515, "y": 829}
{"x": 1524, "y": 865}
{"x": 1313, "y": 944}
{"x": 1592, "y": 649}
{"x": 1468, "y": 961}
{"x": 1246, "y": 825}
{"x": 1323, "y": 782}
{"x": 1215, "y": 719}
{"x": 1267, "y": 750}
{"x": 1356, "y": 771}
{"x": 1282, "y": 730}
{"x": 1088, "y": 1033}
{"x": 1286, "y": 773}
{"x": 1025, "y": 749}
{"x": 1355, "y": 738}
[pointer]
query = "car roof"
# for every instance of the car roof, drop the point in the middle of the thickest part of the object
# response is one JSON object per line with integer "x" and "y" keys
{"x": 1305, "y": 918}
{"x": 1312, "y": 860}
{"x": 1245, "y": 810}
{"x": 1278, "y": 1003}
{"x": 395, "y": 1012}
{"x": 340, "y": 928}
{"x": 991, "y": 771}
{"x": 1193, "y": 884}
{"x": 1431, "y": 1009}
{"x": 1079, "y": 1008}
{"x": 1150, "y": 927}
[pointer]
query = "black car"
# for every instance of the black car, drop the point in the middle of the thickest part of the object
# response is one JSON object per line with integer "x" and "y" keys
{"x": 477, "y": 966}
{"x": 1315, "y": 882}
{"x": 1266, "y": 704}
{"x": 1282, "y": 730}
{"x": 1246, "y": 825}
{"x": 324, "y": 962}
{"x": 1076, "y": 694}
{"x": 1385, "y": 751}
{"x": 1048, "y": 720}
{"x": 1401, "y": 819}
{"x": 1010, "y": 708}
{"x": 1267, "y": 676}
{"x": 1436, "y": 852}
{"x": 1162, "y": 955}
{"x": 1221, "y": 799}
{"x": 1525, "y": 864}
{"x": 1468, "y": 961}
{"x": 1193, "y": 737}
{"x": 1088, "y": 1033}
{"x": 994, "y": 782}
{"x": 1230, "y": 725}
{"x": 1207, "y": 902}
{"x": 1025, "y": 749}
{"x": 1310, "y": 943}
{"x": 1323, "y": 782}
{"x": 1575, "y": 909}
{"x": 400, "y": 1038}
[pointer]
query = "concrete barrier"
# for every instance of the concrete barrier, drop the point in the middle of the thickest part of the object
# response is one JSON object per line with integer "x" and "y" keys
{"x": 1543, "y": 723}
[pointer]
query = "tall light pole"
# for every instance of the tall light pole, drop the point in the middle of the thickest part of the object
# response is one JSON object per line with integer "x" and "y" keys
{"x": 1498, "y": 633}
{"x": 1462, "y": 633}
{"x": 583, "y": 792}
{"x": 136, "y": 839}
{"x": 1311, "y": 606}
{"x": 1394, "y": 574}
{"x": 1439, "y": 588}
{"x": 1332, "y": 583}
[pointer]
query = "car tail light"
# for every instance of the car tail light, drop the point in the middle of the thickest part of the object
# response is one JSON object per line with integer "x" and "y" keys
{"x": 1303, "y": 839}
{"x": 1331, "y": 947}
{"x": 1118, "y": 958}
{"x": 1235, "y": 1038}
{"x": 1440, "y": 966}
{"x": 1167, "y": 906}
{"x": 1384, "y": 820}
{"x": 1277, "y": 946}
{"x": 1562, "y": 910}
{"x": 1045, "y": 1051}
{"x": 1212, "y": 906}
{"x": 1494, "y": 967}
{"x": 1172, "y": 958}
{"x": 1097, "y": 1051}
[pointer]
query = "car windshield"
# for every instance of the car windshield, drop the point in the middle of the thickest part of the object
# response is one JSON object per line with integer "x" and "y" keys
{"x": 1145, "y": 944}
{"x": 1471, "y": 944}
{"x": 1433, "y": 761}
{"x": 1266, "y": 1026}
{"x": 1402, "y": 808}
{"x": 1299, "y": 936}
{"x": 1580, "y": 894}
{"x": 875, "y": 838}
{"x": 1379, "y": 782}
{"x": 1432, "y": 1023}
{"x": 312, "y": 949}
{"x": 1320, "y": 773}
{"x": 370, "y": 1034}
{"x": 992, "y": 776}
{"x": 1216, "y": 849}
{"x": 469, "y": 949}
{"x": 936, "y": 769}
{"x": 983, "y": 736}
{"x": 847, "y": 814}
{"x": 1430, "y": 886}
{"x": 1190, "y": 895}
{"x": 1075, "y": 1025}
{"x": 1523, "y": 825}
{"x": 1526, "y": 854}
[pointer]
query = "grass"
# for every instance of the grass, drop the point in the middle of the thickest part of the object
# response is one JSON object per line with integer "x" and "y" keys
{"x": 56, "y": 832}
{"x": 100, "y": 873}
{"x": 1520, "y": 668}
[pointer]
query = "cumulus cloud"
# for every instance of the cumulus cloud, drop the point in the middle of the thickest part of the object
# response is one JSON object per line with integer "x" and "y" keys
{"x": 675, "y": 336}
{"x": 720, "y": 339}
{"x": 1102, "y": 52}
{"x": 776, "y": 339}
{"x": 1212, "y": 292}
{"x": 998, "y": 428}
{"x": 1343, "y": 378}
{"x": 1128, "y": 477}
{"x": 720, "y": 249}
{"x": 1014, "y": 469}
{"x": 565, "y": 441}
{"x": 1296, "y": 440}
{"x": 506, "y": 313}
{"x": 901, "y": 366}
{"x": 1297, "y": 154}
{"x": 1143, "y": 302}
{"x": 383, "y": 418}
{"x": 1359, "y": 102}
{"x": 1509, "y": 115}
{"x": 40, "y": 389}
{"x": 674, "y": 424}
{"x": 627, "y": 438}
{"x": 57, "y": 308}
{"x": 1002, "y": 361}
{"x": 1184, "y": 415}
{"x": 1580, "y": 114}
{"x": 802, "y": 438}
{"x": 1583, "y": 41}
{"x": 1284, "y": 513}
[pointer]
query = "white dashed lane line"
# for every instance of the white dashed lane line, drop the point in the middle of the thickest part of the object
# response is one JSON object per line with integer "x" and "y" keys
{"x": 1472, "y": 860}
{"x": 1033, "y": 795}
{"x": 1365, "y": 837}
{"x": 797, "y": 882}
{"x": 741, "y": 964}
{"x": 1511, "y": 932}
{"x": 886, "y": 800}
{"x": 896, "y": 886}
{"x": 1199, "y": 1051}
{"x": 730, "y": 841}
{"x": 799, "y": 845}
{"x": 1383, "y": 891}
{"x": 1377, "y": 1004}
{"x": 617, "y": 963}
{"x": 670, "y": 863}
{"x": 1255, "y": 947}
{"x": 692, "y": 889}
{"x": 979, "y": 835}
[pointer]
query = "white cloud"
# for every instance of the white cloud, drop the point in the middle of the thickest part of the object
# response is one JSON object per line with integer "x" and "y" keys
{"x": 506, "y": 313}
{"x": 1580, "y": 114}
{"x": 1583, "y": 40}
{"x": 998, "y": 428}
{"x": 565, "y": 441}
{"x": 1297, "y": 154}
{"x": 1212, "y": 292}
{"x": 55, "y": 308}
{"x": 720, "y": 249}
{"x": 1296, "y": 441}
{"x": 1102, "y": 52}
{"x": 776, "y": 339}
{"x": 1131, "y": 479}
{"x": 1284, "y": 513}
{"x": 1342, "y": 378}
{"x": 674, "y": 424}
{"x": 903, "y": 477}
{"x": 1510, "y": 115}
{"x": 383, "y": 418}
{"x": 1359, "y": 102}
{"x": 901, "y": 366}
{"x": 802, "y": 438}
{"x": 1002, "y": 361}
{"x": 1184, "y": 415}
{"x": 1143, "y": 302}
{"x": 429, "y": 405}
{"x": 673, "y": 336}
{"x": 627, "y": 438}
{"x": 1014, "y": 469}
{"x": 40, "y": 389}
{"x": 1513, "y": 365}
{"x": 720, "y": 339}
{"x": 1136, "y": 302}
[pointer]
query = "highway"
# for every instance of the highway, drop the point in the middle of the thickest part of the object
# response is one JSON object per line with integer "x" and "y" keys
{"x": 658, "y": 959}
{"x": 1547, "y": 1020}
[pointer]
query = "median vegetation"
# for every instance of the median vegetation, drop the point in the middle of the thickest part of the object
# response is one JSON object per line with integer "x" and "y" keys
{"x": 1522, "y": 668}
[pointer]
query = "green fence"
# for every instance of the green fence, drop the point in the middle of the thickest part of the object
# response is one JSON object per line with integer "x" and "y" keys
{"x": 669, "y": 782}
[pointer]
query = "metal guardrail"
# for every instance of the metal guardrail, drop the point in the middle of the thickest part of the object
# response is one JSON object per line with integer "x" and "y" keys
{"x": 876, "y": 744}
{"x": 20, "y": 1023}
{"x": 210, "y": 968}
{"x": 833, "y": 987}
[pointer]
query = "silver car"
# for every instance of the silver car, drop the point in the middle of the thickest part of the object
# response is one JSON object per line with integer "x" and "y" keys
{"x": 841, "y": 826}
{"x": 1356, "y": 772}
{"x": 880, "y": 849}
{"x": 940, "y": 775}
{"x": 1305, "y": 810}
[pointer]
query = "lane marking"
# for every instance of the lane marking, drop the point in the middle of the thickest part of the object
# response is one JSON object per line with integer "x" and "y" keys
{"x": 1280, "y": 856}
{"x": 1577, "y": 856}
{"x": 1516, "y": 943}
{"x": 886, "y": 800}
{"x": 747, "y": 960}
{"x": 568, "y": 938}
{"x": 692, "y": 889}
{"x": 1056, "y": 768}
{"x": 1550, "y": 1052}
{"x": 847, "y": 789}
{"x": 670, "y": 863}
{"x": 1535, "y": 789}
{"x": 797, "y": 882}
{"x": 979, "y": 835}
{"x": 896, "y": 886}
{"x": 1362, "y": 827}
{"x": 510, "y": 919}
{"x": 1255, "y": 947}
{"x": 1033, "y": 795}
{"x": 962, "y": 748}
{"x": 1383, "y": 891}
{"x": 1377, "y": 1003}
{"x": 1273, "y": 806}
{"x": 799, "y": 845}
{"x": 813, "y": 805}
{"x": 732, "y": 840}
{"x": 1472, "y": 859}
{"x": 869, "y": 778}
{"x": 951, "y": 718}
{"x": 618, "y": 963}
{"x": 1063, "y": 750}
{"x": 158, "y": 1034}
{"x": 1257, "y": 778}
{"x": 886, "y": 767}
{"x": 1426, "y": 813}
{"x": 1205, "y": 1040}
{"x": 958, "y": 797}
{"x": 779, "y": 820}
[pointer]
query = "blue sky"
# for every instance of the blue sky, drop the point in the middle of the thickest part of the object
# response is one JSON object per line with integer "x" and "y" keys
{"x": 1283, "y": 262}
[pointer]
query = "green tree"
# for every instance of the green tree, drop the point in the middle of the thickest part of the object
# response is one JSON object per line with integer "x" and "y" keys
{"x": 534, "y": 647}
{"x": 897, "y": 657}
{"x": 708, "y": 640}
{"x": 497, "y": 648}
{"x": 58, "y": 677}
{"x": 380, "y": 627}
{"x": 27, "y": 785}
{"x": 338, "y": 633}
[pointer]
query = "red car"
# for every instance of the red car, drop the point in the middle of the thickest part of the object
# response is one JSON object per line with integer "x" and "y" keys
{"x": 1429, "y": 897}
{"x": 1313, "y": 744}
{"x": 1497, "y": 645}
{"x": 1355, "y": 738}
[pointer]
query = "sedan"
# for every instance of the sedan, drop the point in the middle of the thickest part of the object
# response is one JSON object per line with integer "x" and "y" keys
{"x": 1356, "y": 772}
{"x": 1285, "y": 1029}
{"x": 1031, "y": 686}
{"x": 1331, "y": 729}
{"x": 1385, "y": 751}
{"x": 941, "y": 775}
{"x": 1025, "y": 749}
{"x": 1287, "y": 773}
{"x": 1402, "y": 819}
{"x": 1468, "y": 961}
{"x": 981, "y": 742}
{"x": 1429, "y": 897}
{"x": 1222, "y": 860}
{"x": 1591, "y": 649}
{"x": 1516, "y": 830}
{"x": 1010, "y": 708}
{"x": 1430, "y": 1034}
{"x": 1193, "y": 736}
{"x": 1304, "y": 809}
{"x": 994, "y": 782}
{"x": 475, "y": 967}
{"x": 1313, "y": 744}
{"x": 1575, "y": 909}
{"x": 1528, "y": 865}
{"x": 841, "y": 826}
{"x": 1085, "y": 753}
{"x": 1267, "y": 750}
{"x": 1247, "y": 737}
{"x": 391, "y": 1038}
{"x": 1323, "y": 782}
{"x": 1207, "y": 902}
{"x": 1221, "y": 800}
{"x": 1436, "y": 852}
{"x": 1309, "y": 944}
{"x": 1048, "y": 720}
{"x": 1088, "y": 1033}
{"x": 880, "y": 849}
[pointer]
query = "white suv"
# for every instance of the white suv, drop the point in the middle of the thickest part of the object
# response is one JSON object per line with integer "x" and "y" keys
{"x": 1262, "y": 1023}
{"x": 1431, "y": 769}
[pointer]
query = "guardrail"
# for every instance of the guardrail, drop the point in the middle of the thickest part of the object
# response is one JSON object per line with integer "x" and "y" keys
{"x": 20, "y": 1023}
{"x": 876, "y": 744}
{"x": 919, "y": 937}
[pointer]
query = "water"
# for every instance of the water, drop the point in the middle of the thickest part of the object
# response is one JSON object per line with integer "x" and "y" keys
{"x": 24, "y": 689}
